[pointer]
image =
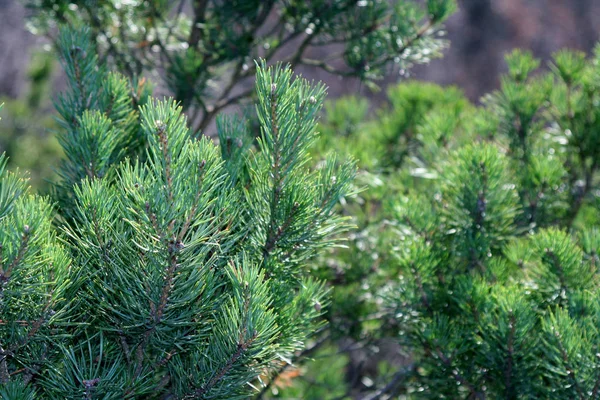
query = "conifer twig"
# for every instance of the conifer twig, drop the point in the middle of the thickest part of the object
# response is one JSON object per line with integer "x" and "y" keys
{"x": 240, "y": 350}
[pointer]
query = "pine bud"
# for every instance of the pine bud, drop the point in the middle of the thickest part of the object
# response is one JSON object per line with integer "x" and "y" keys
{"x": 317, "y": 306}
{"x": 26, "y": 229}
{"x": 312, "y": 100}
{"x": 160, "y": 127}
{"x": 273, "y": 88}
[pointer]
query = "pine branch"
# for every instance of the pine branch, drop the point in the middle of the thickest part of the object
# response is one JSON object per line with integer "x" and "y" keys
{"x": 194, "y": 210}
{"x": 596, "y": 389}
{"x": 447, "y": 362}
{"x": 276, "y": 177}
{"x": 157, "y": 311}
{"x": 5, "y": 274}
{"x": 566, "y": 362}
{"x": 164, "y": 145}
{"x": 559, "y": 269}
{"x": 199, "y": 7}
{"x": 508, "y": 371}
{"x": 241, "y": 348}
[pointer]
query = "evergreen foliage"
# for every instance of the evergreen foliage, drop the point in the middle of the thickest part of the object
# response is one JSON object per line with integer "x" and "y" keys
{"x": 169, "y": 270}
{"x": 204, "y": 49}
{"x": 477, "y": 245}
{"x": 166, "y": 266}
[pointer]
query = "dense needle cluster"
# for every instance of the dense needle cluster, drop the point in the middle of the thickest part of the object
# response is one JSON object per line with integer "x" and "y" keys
{"x": 174, "y": 268}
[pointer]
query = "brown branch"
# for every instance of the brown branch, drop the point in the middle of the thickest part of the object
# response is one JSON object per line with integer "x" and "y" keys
{"x": 152, "y": 217}
{"x": 162, "y": 137}
{"x": 221, "y": 105}
{"x": 5, "y": 274}
{"x": 242, "y": 346}
{"x": 124, "y": 347}
{"x": 282, "y": 44}
{"x": 392, "y": 386}
{"x": 419, "y": 281}
{"x": 238, "y": 75}
{"x": 157, "y": 311}
{"x": 457, "y": 376}
{"x": 160, "y": 43}
{"x": 210, "y": 113}
{"x": 35, "y": 326}
{"x": 175, "y": 19}
{"x": 565, "y": 358}
{"x": 324, "y": 66}
{"x": 168, "y": 285}
{"x": 80, "y": 86}
{"x": 304, "y": 45}
{"x": 453, "y": 371}
{"x": 89, "y": 385}
{"x": 273, "y": 239}
{"x": 534, "y": 204}
{"x": 112, "y": 49}
{"x": 399, "y": 52}
{"x": 199, "y": 7}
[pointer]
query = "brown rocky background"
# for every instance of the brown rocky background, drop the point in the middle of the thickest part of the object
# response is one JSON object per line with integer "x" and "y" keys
{"x": 484, "y": 30}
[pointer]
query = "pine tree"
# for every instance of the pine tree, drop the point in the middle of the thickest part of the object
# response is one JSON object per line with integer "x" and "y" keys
{"x": 477, "y": 253}
{"x": 204, "y": 49}
{"x": 172, "y": 269}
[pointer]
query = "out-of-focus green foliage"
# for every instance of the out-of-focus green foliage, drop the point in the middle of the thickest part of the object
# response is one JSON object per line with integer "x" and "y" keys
{"x": 26, "y": 126}
{"x": 477, "y": 247}
{"x": 204, "y": 50}
{"x": 415, "y": 113}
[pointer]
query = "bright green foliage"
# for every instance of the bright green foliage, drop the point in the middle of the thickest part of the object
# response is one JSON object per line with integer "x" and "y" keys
{"x": 183, "y": 269}
{"x": 418, "y": 115}
{"x": 204, "y": 49}
{"x": 478, "y": 204}
{"x": 33, "y": 277}
{"x": 99, "y": 119}
{"x": 504, "y": 329}
{"x": 550, "y": 122}
{"x": 179, "y": 270}
{"x": 477, "y": 249}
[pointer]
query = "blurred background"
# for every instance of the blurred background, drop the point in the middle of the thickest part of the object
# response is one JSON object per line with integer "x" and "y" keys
{"x": 480, "y": 33}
